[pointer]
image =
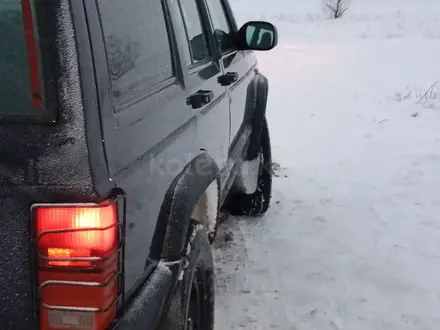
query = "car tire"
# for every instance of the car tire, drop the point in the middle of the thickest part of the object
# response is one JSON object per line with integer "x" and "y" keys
{"x": 257, "y": 203}
{"x": 192, "y": 305}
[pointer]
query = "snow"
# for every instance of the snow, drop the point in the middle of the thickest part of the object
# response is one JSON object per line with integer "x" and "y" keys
{"x": 247, "y": 176}
{"x": 206, "y": 210}
{"x": 352, "y": 240}
{"x": 211, "y": 212}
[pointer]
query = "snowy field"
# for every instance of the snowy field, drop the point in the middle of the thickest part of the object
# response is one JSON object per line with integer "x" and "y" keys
{"x": 352, "y": 240}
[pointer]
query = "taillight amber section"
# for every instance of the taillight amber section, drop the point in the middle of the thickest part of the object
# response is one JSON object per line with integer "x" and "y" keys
{"x": 78, "y": 265}
{"x": 57, "y": 253}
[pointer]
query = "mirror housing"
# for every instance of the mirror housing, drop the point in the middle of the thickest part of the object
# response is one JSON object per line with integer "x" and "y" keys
{"x": 257, "y": 35}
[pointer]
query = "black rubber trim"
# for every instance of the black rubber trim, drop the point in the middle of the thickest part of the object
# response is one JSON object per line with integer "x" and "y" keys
{"x": 92, "y": 107}
{"x": 178, "y": 205}
{"x": 257, "y": 100}
{"x": 146, "y": 310}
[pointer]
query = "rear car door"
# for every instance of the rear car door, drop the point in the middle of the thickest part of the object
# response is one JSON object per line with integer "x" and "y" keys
{"x": 238, "y": 65}
{"x": 206, "y": 97}
{"x": 149, "y": 132}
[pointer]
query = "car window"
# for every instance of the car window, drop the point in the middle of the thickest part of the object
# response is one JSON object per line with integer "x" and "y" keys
{"x": 138, "y": 48}
{"x": 21, "y": 90}
{"x": 194, "y": 31}
{"x": 221, "y": 26}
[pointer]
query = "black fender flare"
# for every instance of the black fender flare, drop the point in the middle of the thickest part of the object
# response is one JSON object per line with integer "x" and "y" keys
{"x": 179, "y": 202}
{"x": 256, "y": 103}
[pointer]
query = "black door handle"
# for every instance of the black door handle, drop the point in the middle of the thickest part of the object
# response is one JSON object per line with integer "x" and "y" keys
{"x": 199, "y": 99}
{"x": 228, "y": 78}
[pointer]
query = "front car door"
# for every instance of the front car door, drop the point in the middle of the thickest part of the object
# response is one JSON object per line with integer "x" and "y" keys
{"x": 239, "y": 66}
{"x": 206, "y": 97}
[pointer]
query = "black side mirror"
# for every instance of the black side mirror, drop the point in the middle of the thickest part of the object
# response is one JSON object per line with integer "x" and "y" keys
{"x": 257, "y": 35}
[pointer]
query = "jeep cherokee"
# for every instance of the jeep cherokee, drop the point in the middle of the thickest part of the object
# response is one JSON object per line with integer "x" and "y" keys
{"x": 126, "y": 128}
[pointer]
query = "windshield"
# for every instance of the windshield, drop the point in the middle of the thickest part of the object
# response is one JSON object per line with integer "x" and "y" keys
{"x": 21, "y": 93}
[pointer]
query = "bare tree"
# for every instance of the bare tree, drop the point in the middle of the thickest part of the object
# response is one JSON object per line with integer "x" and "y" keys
{"x": 337, "y": 8}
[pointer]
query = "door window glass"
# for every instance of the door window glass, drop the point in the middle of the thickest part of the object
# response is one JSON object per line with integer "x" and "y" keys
{"x": 220, "y": 23}
{"x": 138, "y": 48}
{"x": 194, "y": 31}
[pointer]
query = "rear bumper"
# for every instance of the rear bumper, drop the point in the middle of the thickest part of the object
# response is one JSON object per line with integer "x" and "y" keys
{"x": 148, "y": 306}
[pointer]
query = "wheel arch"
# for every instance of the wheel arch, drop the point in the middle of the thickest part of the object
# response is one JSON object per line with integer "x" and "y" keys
{"x": 180, "y": 204}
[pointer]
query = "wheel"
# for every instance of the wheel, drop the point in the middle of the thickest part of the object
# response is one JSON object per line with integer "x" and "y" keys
{"x": 257, "y": 203}
{"x": 192, "y": 306}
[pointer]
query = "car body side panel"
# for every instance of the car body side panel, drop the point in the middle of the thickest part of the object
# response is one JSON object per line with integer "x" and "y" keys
{"x": 146, "y": 182}
{"x": 150, "y": 141}
{"x": 147, "y": 144}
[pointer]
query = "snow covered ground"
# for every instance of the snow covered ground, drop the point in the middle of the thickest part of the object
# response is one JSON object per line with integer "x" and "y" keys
{"x": 352, "y": 240}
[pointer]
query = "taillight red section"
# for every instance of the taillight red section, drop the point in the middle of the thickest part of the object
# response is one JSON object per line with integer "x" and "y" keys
{"x": 32, "y": 53}
{"x": 76, "y": 236}
{"x": 79, "y": 276}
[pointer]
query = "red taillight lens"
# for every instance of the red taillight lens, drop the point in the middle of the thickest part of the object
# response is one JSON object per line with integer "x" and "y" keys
{"x": 79, "y": 265}
{"x": 76, "y": 236}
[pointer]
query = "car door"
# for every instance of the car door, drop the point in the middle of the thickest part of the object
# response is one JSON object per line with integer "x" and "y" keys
{"x": 148, "y": 131}
{"x": 205, "y": 96}
{"x": 238, "y": 65}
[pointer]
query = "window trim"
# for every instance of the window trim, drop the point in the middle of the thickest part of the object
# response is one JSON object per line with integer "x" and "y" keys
{"x": 195, "y": 69}
{"x": 174, "y": 47}
{"x": 140, "y": 94}
{"x": 230, "y": 15}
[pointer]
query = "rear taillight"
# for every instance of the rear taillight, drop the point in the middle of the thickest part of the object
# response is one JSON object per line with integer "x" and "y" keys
{"x": 78, "y": 254}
